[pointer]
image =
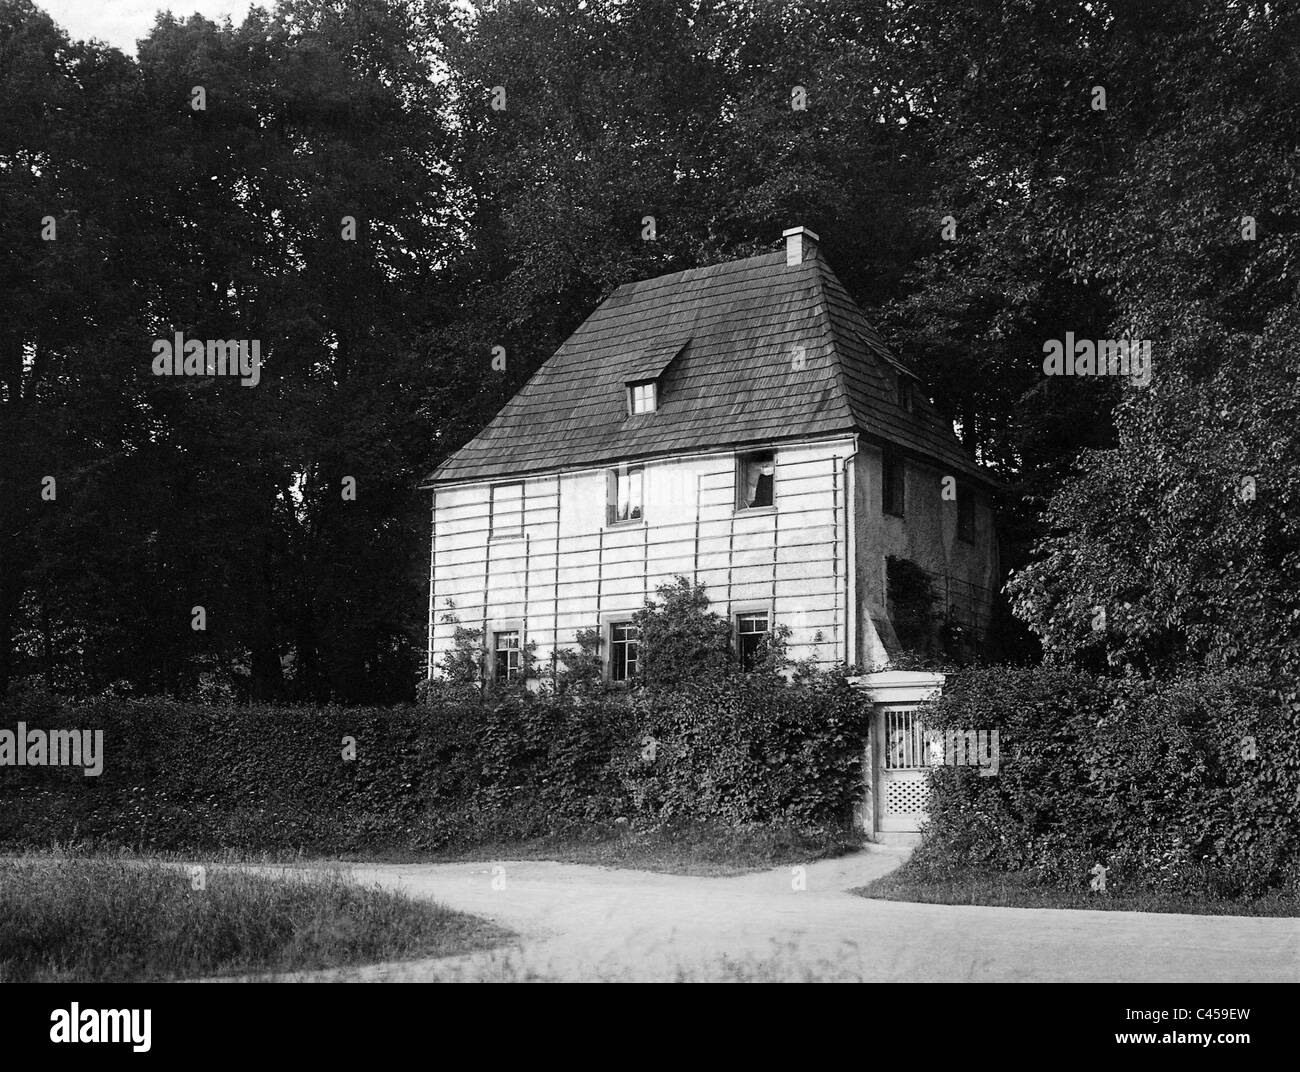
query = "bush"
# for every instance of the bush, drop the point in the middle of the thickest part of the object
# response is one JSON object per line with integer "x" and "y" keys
{"x": 1190, "y": 785}
{"x": 750, "y": 749}
{"x": 458, "y": 769}
{"x": 681, "y": 639}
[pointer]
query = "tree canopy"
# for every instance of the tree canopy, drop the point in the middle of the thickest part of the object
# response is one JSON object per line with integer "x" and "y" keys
{"x": 382, "y": 192}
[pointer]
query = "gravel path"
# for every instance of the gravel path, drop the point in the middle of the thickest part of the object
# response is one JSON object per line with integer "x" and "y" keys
{"x": 581, "y": 923}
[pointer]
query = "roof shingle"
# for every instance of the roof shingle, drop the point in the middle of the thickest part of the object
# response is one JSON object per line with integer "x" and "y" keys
{"x": 771, "y": 352}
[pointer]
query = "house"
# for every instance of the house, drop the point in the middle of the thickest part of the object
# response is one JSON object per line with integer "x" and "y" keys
{"x": 741, "y": 425}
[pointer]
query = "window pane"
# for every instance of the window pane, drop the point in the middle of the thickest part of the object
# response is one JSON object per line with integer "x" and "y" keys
{"x": 507, "y": 655}
{"x": 507, "y": 508}
{"x": 750, "y": 631}
{"x": 643, "y": 397}
{"x": 623, "y": 651}
{"x": 625, "y": 494}
{"x": 757, "y": 477}
{"x": 634, "y": 493}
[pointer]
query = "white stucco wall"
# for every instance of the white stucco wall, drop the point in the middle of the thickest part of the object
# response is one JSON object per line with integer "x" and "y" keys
{"x": 570, "y": 570}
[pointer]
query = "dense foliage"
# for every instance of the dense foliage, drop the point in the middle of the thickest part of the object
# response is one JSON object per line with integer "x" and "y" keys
{"x": 1190, "y": 785}
{"x": 970, "y": 185}
{"x": 1183, "y": 542}
{"x": 458, "y": 769}
{"x": 680, "y": 638}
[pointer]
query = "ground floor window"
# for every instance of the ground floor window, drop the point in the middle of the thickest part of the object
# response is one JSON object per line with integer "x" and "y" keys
{"x": 750, "y": 631}
{"x": 507, "y": 660}
{"x": 624, "y": 650}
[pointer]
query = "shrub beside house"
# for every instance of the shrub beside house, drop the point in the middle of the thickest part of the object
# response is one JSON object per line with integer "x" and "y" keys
{"x": 1184, "y": 785}
{"x": 462, "y": 769}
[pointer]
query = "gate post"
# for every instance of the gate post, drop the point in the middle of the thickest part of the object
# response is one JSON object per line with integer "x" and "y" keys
{"x": 888, "y": 690}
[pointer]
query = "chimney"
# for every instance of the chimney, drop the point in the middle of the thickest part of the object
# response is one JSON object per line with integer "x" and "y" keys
{"x": 800, "y": 245}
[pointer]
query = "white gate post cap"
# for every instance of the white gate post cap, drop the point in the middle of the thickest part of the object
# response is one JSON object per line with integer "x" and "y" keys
{"x": 900, "y": 686}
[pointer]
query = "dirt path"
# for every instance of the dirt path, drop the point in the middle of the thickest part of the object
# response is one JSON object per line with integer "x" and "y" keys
{"x": 586, "y": 923}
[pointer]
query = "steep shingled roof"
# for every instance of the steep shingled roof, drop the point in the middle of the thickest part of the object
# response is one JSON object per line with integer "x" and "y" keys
{"x": 739, "y": 378}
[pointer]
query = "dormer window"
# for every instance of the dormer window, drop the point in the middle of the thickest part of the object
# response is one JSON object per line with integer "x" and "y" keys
{"x": 645, "y": 371}
{"x": 642, "y": 397}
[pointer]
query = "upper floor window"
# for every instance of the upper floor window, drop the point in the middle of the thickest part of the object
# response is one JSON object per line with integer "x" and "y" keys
{"x": 642, "y": 397}
{"x": 750, "y": 631}
{"x": 507, "y": 510}
{"x": 755, "y": 479}
{"x": 507, "y": 655}
{"x": 892, "y": 485}
{"x": 965, "y": 514}
{"x": 624, "y": 648}
{"x": 625, "y": 491}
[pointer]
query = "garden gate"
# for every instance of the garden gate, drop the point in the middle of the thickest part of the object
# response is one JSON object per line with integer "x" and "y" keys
{"x": 897, "y": 757}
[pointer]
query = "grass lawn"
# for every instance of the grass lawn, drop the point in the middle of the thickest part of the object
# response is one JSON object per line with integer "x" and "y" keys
{"x": 914, "y": 881}
{"x": 710, "y": 852}
{"x": 696, "y": 849}
{"x": 704, "y": 850}
{"x": 93, "y": 920}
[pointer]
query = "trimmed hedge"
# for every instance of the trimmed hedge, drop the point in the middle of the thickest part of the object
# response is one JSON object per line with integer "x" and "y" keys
{"x": 1190, "y": 785}
{"x": 456, "y": 770}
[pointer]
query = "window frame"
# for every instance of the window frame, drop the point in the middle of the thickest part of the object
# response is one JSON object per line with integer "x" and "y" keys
{"x": 893, "y": 500}
{"x": 494, "y": 532}
{"x": 611, "y": 495}
{"x": 755, "y": 612}
{"x": 632, "y": 651}
{"x": 742, "y": 459}
{"x": 652, "y": 388}
{"x": 511, "y": 672}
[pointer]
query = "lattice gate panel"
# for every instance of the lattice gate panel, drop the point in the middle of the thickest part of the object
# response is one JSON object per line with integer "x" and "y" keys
{"x": 906, "y": 797}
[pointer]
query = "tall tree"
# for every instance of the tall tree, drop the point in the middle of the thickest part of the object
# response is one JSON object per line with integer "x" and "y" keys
{"x": 1182, "y": 542}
